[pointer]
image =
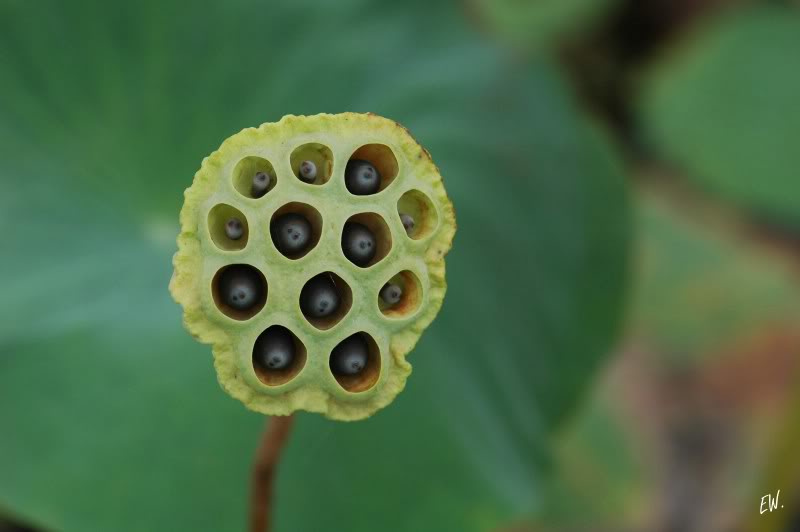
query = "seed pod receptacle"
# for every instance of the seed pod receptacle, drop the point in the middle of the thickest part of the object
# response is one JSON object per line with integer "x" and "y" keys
{"x": 409, "y": 183}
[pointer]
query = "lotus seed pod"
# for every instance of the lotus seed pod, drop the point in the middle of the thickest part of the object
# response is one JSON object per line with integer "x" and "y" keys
{"x": 358, "y": 243}
{"x": 234, "y": 229}
{"x": 408, "y": 222}
{"x": 291, "y": 233}
{"x": 361, "y": 177}
{"x": 391, "y": 294}
{"x": 261, "y": 183}
{"x": 282, "y": 350}
{"x": 308, "y": 171}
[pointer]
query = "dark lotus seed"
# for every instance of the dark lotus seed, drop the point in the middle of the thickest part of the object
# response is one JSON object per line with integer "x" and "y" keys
{"x": 361, "y": 178}
{"x": 274, "y": 349}
{"x": 261, "y": 182}
{"x": 234, "y": 229}
{"x": 308, "y": 171}
{"x": 240, "y": 287}
{"x": 391, "y": 294}
{"x": 291, "y": 233}
{"x": 408, "y": 222}
{"x": 350, "y": 356}
{"x": 319, "y": 298}
{"x": 358, "y": 243}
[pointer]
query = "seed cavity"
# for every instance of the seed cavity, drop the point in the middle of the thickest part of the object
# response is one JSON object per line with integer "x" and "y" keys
{"x": 253, "y": 177}
{"x": 417, "y": 214}
{"x": 291, "y": 233}
{"x": 356, "y": 363}
{"x": 325, "y": 300}
{"x": 350, "y": 356}
{"x": 320, "y": 297}
{"x": 274, "y": 349}
{"x": 358, "y": 243}
{"x": 366, "y": 239}
{"x": 239, "y": 291}
{"x": 391, "y": 294}
{"x": 261, "y": 184}
{"x": 401, "y": 296}
{"x": 408, "y": 222}
{"x": 361, "y": 178}
{"x": 295, "y": 229}
{"x": 312, "y": 163}
{"x": 308, "y": 171}
{"x": 234, "y": 228}
{"x": 227, "y": 227}
{"x": 278, "y": 356}
{"x": 370, "y": 169}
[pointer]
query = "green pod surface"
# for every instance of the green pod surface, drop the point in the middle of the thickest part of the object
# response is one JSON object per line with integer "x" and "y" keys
{"x": 411, "y": 184}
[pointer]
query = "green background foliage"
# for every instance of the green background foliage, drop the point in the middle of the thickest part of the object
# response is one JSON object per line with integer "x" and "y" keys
{"x": 725, "y": 109}
{"x": 537, "y": 24}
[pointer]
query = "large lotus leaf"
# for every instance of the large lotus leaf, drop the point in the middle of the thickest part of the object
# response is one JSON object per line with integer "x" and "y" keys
{"x": 111, "y": 415}
{"x": 724, "y": 109}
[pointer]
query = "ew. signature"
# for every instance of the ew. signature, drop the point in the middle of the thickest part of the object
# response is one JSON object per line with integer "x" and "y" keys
{"x": 769, "y": 503}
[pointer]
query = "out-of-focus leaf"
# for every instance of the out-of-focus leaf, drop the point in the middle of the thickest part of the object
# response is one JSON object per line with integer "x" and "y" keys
{"x": 725, "y": 109}
{"x": 597, "y": 454}
{"x": 701, "y": 290}
{"x": 538, "y": 23}
{"x": 112, "y": 418}
{"x": 709, "y": 317}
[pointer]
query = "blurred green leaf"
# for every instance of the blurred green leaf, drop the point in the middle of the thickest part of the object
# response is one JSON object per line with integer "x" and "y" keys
{"x": 598, "y": 452}
{"x": 112, "y": 418}
{"x": 700, "y": 289}
{"x": 538, "y": 23}
{"x": 725, "y": 110}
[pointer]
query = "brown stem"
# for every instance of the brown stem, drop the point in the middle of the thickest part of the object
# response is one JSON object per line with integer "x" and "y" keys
{"x": 268, "y": 454}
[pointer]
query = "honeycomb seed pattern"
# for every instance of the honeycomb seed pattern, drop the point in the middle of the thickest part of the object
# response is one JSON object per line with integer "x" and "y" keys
{"x": 242, "y": 340}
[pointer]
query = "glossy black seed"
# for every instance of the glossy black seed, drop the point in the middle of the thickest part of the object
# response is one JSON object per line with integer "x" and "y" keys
{"x": 234, "y": 229}
{"x": 274, "y": 348}
{"x": 408, "y": 222}
{"x": 358, "y": 243}
{"x": 291, "y": 233}
{"x": 261, "y": 182}
{"x": 361, "y": 178}
{"x": 350, "y": 356}
{"x": 391, "y": 293}
{"x": 319, "y": 298}
{"x": 240, "y": 287}
{"x": 308, "y": 171}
